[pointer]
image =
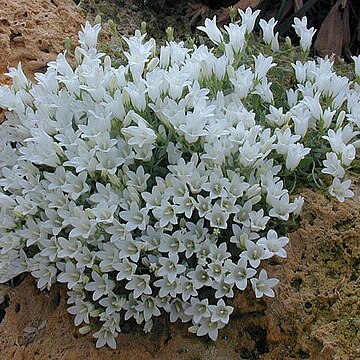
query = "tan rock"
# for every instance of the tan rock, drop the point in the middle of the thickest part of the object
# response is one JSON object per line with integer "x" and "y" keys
{"x": 33, "y": 32}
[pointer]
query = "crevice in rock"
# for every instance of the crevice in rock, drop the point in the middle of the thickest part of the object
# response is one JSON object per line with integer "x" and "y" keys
{"x": 4, "y": 304}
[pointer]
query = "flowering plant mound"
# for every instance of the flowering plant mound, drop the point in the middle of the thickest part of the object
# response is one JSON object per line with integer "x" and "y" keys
{"x": 157, "y": 186}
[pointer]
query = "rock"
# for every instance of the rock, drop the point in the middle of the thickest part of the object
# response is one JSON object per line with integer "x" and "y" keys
{"x": 33, "y": 32}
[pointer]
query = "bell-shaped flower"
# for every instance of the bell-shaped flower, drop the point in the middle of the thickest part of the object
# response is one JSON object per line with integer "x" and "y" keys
{"x": 139, "y": 135}
{"x": 269, "y": 37}
{"x": 236, "y": 36}
{"x": 238, "y": 273}
{"x": 198, "y": 309}
{"x": 212, "y": 31}
{"x": 139, "y": 284}
{"x": 170, "y": 268}
{"x": 254, "y": 253}
{"x": 295, "y": 154}
{"x": 333, "y": 166}
{"x": 248, "y": 18}
{"x": 88, "y": 35}
{"x": 274, "y": 244}
{"x": 101, "y": 285}
{"x": 220, "y": 312}
{"x": 263, "y": 285}
{"x": 341, "y": 189}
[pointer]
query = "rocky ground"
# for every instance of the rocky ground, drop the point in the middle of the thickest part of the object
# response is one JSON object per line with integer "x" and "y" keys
{"x": 316, "y": 313}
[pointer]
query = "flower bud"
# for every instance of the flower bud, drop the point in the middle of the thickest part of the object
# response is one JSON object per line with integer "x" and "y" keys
{"x": 288, "y": 42}
{"x": 97, "y": 19}
{"x": 143, "y": 27}
{"x": 85, "y": 329}
{"x": 170, "y": 34}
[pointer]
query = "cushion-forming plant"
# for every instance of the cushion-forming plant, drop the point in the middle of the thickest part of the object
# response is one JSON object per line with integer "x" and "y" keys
{"x": 157, "y": 185}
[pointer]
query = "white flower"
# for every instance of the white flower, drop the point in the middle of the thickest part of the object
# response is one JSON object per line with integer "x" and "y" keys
{"x": 333, "y": 166}
{"x": 328, "y": 117}
{"x": 81, "y": 310}
{"x": 341, "y": 189}
{"x": 19, "y": 79}
{"x": 75, "y": 185}
{"x": 101, "y": 285}
{"x": 203, "y": 205}
{"x": 71, "y": 275}
{"x": 88, "y": 36}
{"x": 200, "y": 277}
{"x": 313, "y": 104}
{"x": 300, "y": 71}
{"x": 299, "y": 202}
{"x": 299, "y": 25}
{"x": 304, "y": 33}
{"x": 276, "y": 116}
{"x": 236, "y": 36}
{"x": 268, "y": 33}
{"x": 274, "y": 244}
{"x": 151, "y": 186}
{"x": 129, "y": 248}
{"x": 238, "y": 273}
{"x": 216, "y": 186}
{"x": 248, "y": 18}
{"x": 285, "y": 139}
{"x": 254, "y": 253}
{"x": 135, "y": 218}
{"x": 212, "y": 31}
{"x": 139, "y": 284}
{"x": 138, "y": 180}
{"x": 348, "y": 154}
{"x": 295, "y": 154}
{"x": 46, "y": 275}
{"x": 148, "y": 306}
{"x": 125, "y": 268}
{"x": 165, "y": 213}
{"x": 263, "y": 285}
{"x": 104, "y": 337}
{"x": 208, "y": 327}
{"x": 166, "y": 287}
{"x": 220, "y": 312}
{"x": 68, "y": 247}
{"x": 257, "y": 219}
{"x": 264, "y": 90}
{"x": 140, "y": 135}
{"x": 199, "y": 309}
{"x": 356, "y": 60}
{"x": 306, "y": 38}
{"x": 170, "y": 268}
{"x": 336, "y": 140}
{"x": 242, "y": 79}
{"x": 218, "y": 217}
{"x": 281, "y": 208}
{"x": 262, "y": 65}
{"x": 186, "y": 288}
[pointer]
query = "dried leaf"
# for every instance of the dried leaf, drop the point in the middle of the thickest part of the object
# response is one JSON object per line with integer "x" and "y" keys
{"x": 330, "y": 39}
{"x": 42, "y": 325}
{"x": 242, "y": 4}
{"x": 284, "y": 10}
{"x": 30, "y": 330}
{"x": 298, "y": 4}
{"x": 346, "y": 29}
{"x": 27, "y": 339}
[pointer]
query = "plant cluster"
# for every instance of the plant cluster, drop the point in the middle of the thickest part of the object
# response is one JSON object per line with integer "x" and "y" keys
{"x": 158, "y": 185}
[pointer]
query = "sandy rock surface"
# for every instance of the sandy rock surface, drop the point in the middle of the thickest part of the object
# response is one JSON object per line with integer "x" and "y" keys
{"x": 33, "y": 32}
